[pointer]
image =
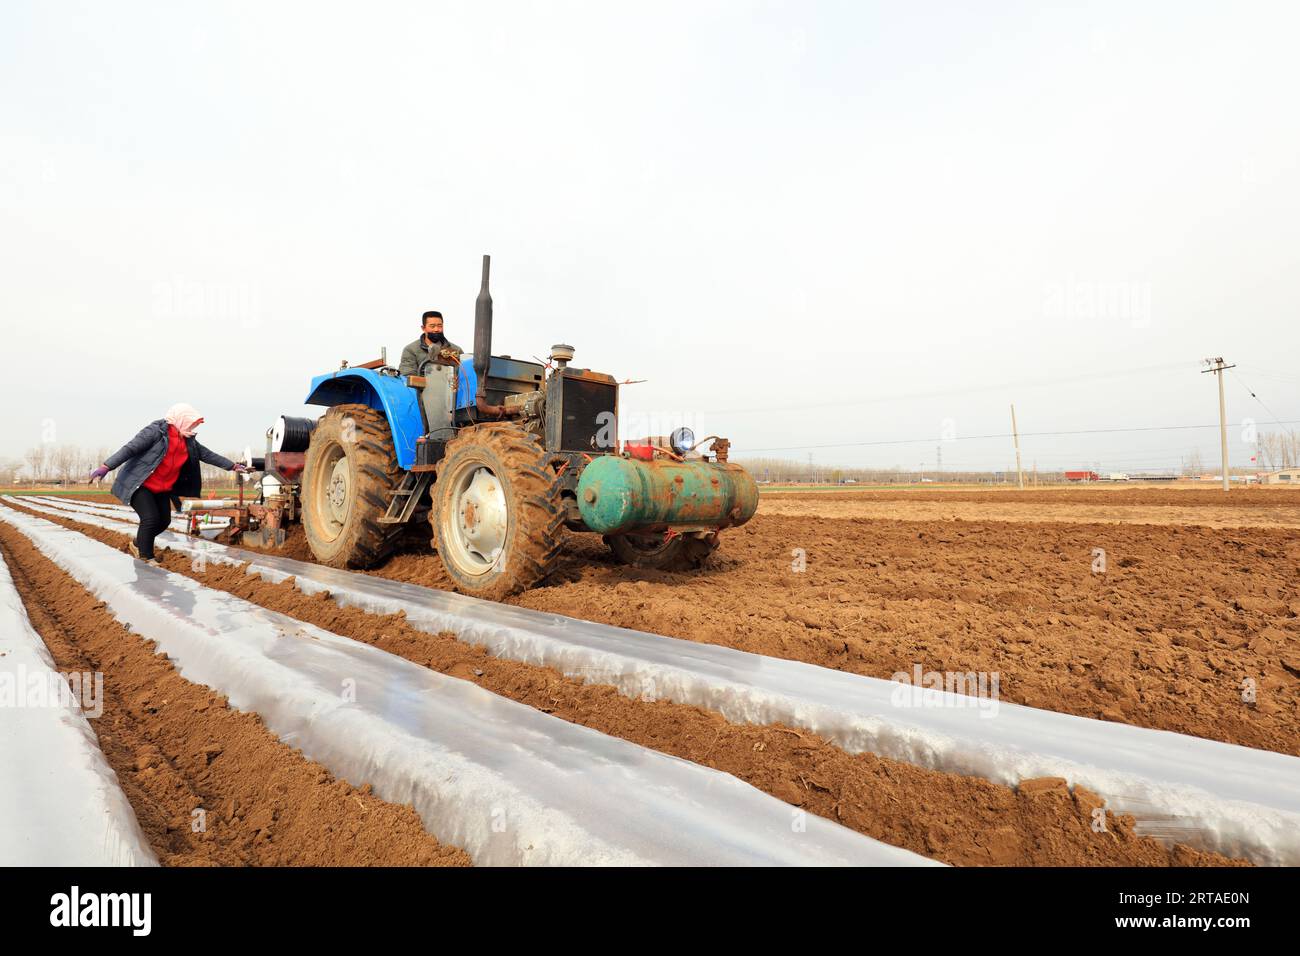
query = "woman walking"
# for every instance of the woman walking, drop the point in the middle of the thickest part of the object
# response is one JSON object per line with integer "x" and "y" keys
{"x": 157, "y": 467}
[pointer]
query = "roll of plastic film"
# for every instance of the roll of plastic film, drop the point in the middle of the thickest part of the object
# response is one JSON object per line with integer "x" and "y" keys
{"x": 291, "y": 434}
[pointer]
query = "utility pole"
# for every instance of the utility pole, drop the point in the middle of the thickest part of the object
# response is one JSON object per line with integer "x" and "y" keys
{"x": 938, "y": 461}
{"x": 1020, "y": 475}
{"x": 1217, "y": 367}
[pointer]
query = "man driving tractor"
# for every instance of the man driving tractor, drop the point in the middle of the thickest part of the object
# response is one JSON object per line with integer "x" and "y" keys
{"x": 428, "y": 347}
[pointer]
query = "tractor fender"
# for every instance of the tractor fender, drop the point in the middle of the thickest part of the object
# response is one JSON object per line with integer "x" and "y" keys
{"x": 386, "y": 393}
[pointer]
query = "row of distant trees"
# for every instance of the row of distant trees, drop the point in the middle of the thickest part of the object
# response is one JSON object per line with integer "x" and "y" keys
{"x": 72, "y": 464}
{"x": 1278, "y": 450}
{"x": 780, "y": 470}
{"x": 1273, "y": 452}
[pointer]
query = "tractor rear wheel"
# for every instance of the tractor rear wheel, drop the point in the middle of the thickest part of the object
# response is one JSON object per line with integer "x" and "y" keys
{"x": 349, "y": 475}
{"x": 663, "y": 551}
{"x": 496, "y": 512}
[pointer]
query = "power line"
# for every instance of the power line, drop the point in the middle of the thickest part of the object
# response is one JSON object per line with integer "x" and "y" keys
{"x": 1066, "y": 459}
{"x": 1242, "y": 383}
{"x": 1289, "y": 377}
{"x": 942, "y": 393}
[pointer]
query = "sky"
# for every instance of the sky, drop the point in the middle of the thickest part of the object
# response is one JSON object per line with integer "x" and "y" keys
{"x": 853, "y": 233}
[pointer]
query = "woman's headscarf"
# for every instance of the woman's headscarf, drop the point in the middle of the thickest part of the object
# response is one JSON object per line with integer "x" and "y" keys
{"x": 185, "y": 417}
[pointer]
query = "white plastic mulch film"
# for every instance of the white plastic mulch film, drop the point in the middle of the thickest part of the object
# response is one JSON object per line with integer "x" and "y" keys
{"x": 60, "y": 802}
{"x": 1235, "y": 800}
{"x": 508, "y": 783}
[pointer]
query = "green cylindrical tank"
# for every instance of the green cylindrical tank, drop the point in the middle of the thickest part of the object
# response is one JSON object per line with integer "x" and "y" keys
{"x": 617, "y": 494}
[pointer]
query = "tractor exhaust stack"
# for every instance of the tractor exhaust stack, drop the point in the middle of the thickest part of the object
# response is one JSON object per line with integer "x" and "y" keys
{"x": 483, "y": 334}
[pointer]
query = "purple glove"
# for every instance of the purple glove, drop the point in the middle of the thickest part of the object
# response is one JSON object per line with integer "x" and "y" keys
{"x": 99, "y": 473}
{"x": 239, "y": 468}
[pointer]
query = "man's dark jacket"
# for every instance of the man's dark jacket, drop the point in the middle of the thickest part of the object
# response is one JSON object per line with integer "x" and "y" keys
{"x": 419, "y": 353}
{"x": 137, "y": 459}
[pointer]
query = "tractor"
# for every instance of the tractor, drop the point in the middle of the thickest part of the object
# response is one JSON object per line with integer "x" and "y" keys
{"x": 498, "y": 455}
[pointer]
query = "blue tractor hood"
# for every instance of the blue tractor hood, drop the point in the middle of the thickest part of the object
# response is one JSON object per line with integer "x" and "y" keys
{"x": 386, "y": 393}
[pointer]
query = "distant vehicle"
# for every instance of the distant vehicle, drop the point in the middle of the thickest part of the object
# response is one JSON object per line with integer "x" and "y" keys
{"x": 1116, "y": 476}
{"x": 1082, "y": 476}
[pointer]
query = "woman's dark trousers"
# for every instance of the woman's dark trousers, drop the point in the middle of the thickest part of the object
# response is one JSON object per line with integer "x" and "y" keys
{"x": 155, "y": 511}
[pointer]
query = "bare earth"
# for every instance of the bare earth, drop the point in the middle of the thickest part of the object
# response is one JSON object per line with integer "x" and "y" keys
{"x": 1239, "y": 508}
{"x": 1176, "y": 609}
{"x": 960, "y": 820}
{"x": 177, "y": 748}
{"x": 1190, "y": 627}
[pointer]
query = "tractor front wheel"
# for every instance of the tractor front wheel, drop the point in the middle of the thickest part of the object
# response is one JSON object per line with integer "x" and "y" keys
{"x": 350, "y": 472}
{"x": 497, "y": 511}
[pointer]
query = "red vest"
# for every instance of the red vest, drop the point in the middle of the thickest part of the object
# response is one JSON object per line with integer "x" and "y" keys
{"x": 169, "y": 469}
